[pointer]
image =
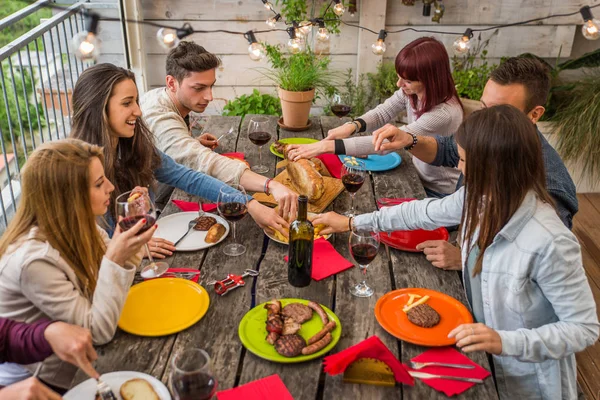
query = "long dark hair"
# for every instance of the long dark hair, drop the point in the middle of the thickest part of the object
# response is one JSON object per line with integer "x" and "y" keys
{"x": 503, "y": 163}
{"x": 133, "y": 160}
{"x": 426, "y": 60}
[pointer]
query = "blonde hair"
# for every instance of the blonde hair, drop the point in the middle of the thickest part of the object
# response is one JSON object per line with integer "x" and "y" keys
{"x": 55, "y": 197}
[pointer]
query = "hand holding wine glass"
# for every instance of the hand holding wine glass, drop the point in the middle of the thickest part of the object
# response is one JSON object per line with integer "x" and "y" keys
{"x": 233, "y": 206}
{"x": 354, "y": 174}
{"x": 364, "y": 246}
{"x": 126, "y": 244}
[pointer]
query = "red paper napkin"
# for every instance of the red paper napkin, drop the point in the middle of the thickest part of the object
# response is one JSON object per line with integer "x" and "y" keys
{"x": 450, "y": 355}
{"x": 326, "y": 260}
{"x": 372, "y": 347}
{"x": 166, "y": 275}
{"x": 390, "y": 201}
{"x": 241, "y": 156}
{"x": 271, "y": 387}
{"x": 333, "y": 164}
{"x": 191, "y": 206}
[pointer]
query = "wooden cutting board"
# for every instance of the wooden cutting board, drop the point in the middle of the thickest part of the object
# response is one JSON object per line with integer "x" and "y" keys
{"x": 333, "y": 187}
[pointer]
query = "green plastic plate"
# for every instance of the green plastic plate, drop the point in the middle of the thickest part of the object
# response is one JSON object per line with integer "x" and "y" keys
{"x": 295, "y": 140}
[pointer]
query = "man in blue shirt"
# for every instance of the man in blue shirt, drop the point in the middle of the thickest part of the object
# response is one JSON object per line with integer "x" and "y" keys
{"x": 523, "y": 83}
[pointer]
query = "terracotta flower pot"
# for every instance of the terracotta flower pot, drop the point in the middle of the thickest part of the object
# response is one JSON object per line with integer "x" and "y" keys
{"x": 295, "y": 107}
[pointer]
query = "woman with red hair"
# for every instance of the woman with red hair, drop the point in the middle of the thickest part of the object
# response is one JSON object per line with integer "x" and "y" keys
{"x": 427, "y": 94}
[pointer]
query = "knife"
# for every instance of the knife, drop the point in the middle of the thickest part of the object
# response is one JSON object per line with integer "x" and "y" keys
{"x": 425, "y": 375}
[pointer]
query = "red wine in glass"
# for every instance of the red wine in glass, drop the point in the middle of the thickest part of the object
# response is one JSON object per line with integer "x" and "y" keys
{"x": 353, "y": 182}
{"x": 233, "y": 211}
{"x": 340, "y": 110}
{"x": 129, "y": 222}
{"x": 363, "y": 253}
{"x": 195, "y": 386}
{"x": 259, "y": 138}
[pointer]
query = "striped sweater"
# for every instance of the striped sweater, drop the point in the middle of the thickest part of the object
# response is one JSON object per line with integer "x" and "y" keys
{"x": 443, "y": 119}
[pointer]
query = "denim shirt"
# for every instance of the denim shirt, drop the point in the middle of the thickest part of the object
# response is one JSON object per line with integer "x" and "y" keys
{"x": 186, "y": 179}
{"x": 558, "y": 181}
{"x": 534, "y": 290}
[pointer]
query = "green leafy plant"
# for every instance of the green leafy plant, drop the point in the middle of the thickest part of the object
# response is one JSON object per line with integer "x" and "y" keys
{"x": 383, "y": 82}
{"x": 298, "y": 72}
{"x": 356, "y": 95}
{"x": 297, "y": 10}
{"x": 255, "y": 103}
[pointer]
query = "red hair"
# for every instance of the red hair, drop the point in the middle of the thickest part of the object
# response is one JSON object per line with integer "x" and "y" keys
{"x": 426, "y": 60}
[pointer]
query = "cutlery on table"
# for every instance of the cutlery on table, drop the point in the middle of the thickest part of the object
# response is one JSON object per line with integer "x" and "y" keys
{"x": 191, "y": 225}
{"x": 425, "y": 375}
{"x": 104, "y": 391}
{"x": 419, "y": 365}
{"x": 225, "y": 134}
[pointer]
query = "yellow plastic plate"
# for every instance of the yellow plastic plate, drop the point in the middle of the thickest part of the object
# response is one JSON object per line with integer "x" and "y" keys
{"x": 253, "y": 332}
{"x": 163, "y": 306}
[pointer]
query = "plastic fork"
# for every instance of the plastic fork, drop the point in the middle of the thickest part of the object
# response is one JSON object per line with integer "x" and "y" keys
{"x": 225, "y": 134}
{"x": 419, "y": 365}
{"x": 104, "y": 391}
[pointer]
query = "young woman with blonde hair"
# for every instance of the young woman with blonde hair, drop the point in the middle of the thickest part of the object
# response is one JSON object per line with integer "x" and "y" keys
{"x": 55, "y": 262}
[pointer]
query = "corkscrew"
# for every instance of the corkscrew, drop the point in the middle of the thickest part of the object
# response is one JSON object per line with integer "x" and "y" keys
{"x": 232, "y": 281}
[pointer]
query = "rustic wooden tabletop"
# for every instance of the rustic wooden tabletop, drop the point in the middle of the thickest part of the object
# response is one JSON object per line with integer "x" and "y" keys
{"x": 217, "y": 331}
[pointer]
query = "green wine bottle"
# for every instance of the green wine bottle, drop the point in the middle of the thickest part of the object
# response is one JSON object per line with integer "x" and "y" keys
{"x": 301, "y": 241}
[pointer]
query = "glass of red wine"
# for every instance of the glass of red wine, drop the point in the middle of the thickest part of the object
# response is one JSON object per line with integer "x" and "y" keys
{"x": 338, "y": 108}
{"x": 364, "y": 246}
{"x": 133, "y": 206}
{"x": 191, "y": 375}
{"x": 354, "y": 173}
{"x": 259, "y": 134}
{"x": 233, "y": 206}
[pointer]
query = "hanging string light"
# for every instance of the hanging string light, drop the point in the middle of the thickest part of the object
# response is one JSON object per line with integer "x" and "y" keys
{"x": 256, "y": 50}
{"x": 591, "y": 26}
{"x": 299, "y": 33}
{"x": 427, "y": 7}
{"x": 438, "y": 12}
{"x": 322, "y": 33}
{"x": 169, "y": 38}
{"x": 305, "y": 28}
{"x": 378, "y": 47}
{"x": 339, "y": 8}
{"x": 85, "y": 44}
{"x": 295, "y": 44}
{"x": 268, "y": 5}
{"x": 463, "y": 43}
{"x": 273, "y": 20}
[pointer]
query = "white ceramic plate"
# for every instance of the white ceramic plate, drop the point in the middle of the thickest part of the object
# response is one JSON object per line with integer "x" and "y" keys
{"x": 274, "y": 238}
{"x": 87, "y": 390}
{"x": 174, "y": 226}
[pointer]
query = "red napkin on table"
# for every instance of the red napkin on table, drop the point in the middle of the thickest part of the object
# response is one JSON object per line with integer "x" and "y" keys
{"x": 166, "y": 275}
{"x": 372, "y": 347}
{"x": 333, "y": 164}
{"x": 241, "y": 156}
{"x": 450, "y": 355}
{"x": 271, "y": 387}
{"x": 191, "y": 206}
{"x": 326, "y": 260}
{"x": 389, "y": 201}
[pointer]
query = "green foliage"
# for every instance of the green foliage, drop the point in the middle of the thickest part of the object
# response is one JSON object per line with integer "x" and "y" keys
{"x": 297, "y": 10}
{"x": 383, "y": 82}
{"x": 10, "y": 33}
{"x": 15, "y": 122}
{"x": 255, "y": 103}
{"x": 577, "y": 124}
{"x": 470, "y": 79}
{"x": 297, "y": 72}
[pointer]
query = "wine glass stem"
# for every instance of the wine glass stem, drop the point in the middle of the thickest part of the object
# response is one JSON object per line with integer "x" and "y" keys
{"x": 364, "y": 273}
{"x": 233, "y": 229}
{"x": 352, "y": 203}
{"x": 149, "y": 255}
{"x": 260, "y": 155}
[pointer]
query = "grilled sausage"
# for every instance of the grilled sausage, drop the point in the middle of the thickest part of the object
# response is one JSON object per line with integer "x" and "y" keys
{"x": 272, "y": 337}
{"x": 319, "y": 310}
{"x": 326, "y": 329}
{"x": 313, "y": 348}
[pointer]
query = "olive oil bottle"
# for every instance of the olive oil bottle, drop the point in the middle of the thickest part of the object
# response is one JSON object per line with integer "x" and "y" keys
{"x": 301, "y": 247}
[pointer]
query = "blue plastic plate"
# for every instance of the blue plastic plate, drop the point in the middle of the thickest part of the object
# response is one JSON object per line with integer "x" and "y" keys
{"x": 376, "y": 162}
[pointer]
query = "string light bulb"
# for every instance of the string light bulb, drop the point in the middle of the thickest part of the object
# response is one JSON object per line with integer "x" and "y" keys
{"x": 591, "y": 26}
{"x": 256, "y": 50}
{"x": 463, "y": 43}
{"x": 378, "y": 47}
{"x": 339, "y": 8}
{"x": 170, "y": 38}
{"x": 439, "y": 11}
{"x": 295, "y": 44}
{"x": 273, "y": 20}
{"x": 322, "y": 33}
{"x": 305, "y": 28}
{"x": 85, "y": 44}
{"x": 268, "y": 5}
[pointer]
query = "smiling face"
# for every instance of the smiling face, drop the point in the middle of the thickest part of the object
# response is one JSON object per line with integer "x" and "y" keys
{"x": 411, "y": 87}
{"x": 513, "y": 94}
{"x": 123, "y": 109}
{"x": 194, "y": 92}
{"x": 100, "y": 188}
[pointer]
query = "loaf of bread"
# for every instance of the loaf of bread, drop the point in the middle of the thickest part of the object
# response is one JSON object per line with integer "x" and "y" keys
{"x": 138, "y": 389}
{"x": 215, "y": 233}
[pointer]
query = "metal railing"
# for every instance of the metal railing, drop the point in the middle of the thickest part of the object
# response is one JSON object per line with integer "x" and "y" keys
{"x": 37, "y": 78}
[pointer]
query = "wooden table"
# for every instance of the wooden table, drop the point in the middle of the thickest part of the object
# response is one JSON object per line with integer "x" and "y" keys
{"x": 217, "y": 331}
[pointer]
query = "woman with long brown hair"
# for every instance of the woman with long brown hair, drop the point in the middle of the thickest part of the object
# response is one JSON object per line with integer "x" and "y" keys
{"x": 55, "y": 262}
{"x": 522, "y": 267}
{"x": 106, "y": 113}
{"x": 426, "y": 92}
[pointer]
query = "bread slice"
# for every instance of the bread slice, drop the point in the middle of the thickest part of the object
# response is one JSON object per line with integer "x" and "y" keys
{"x": 138, "y": 389}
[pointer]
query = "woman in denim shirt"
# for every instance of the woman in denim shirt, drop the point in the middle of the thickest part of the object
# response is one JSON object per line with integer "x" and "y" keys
{"x": 522, "y": 267}
{"x": 106, "y": 113}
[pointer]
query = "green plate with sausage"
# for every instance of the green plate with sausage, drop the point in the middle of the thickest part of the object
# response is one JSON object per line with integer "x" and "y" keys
{"x": 253, "y": 333}
{"x": 294, "y": 140}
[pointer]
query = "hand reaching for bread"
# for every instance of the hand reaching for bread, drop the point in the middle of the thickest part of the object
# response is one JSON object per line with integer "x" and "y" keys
{"x": 306, "y": 151}
{"x": 266, "y": 217}
{"x": 332, "y": 221}
{"x": 287, "y": 199}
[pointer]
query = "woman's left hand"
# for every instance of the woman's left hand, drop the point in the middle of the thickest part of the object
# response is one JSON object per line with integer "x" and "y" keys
{"x": 160, "y": 248}
{"x": 286, "y": 198}
{"x": 333, "y": 222}
{"x": 477, "y": 337}
{"x": 266, "y": 217}
{"x": 305, "y": 151}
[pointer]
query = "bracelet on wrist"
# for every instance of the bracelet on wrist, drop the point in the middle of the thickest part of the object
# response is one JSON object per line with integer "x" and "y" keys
{"x": 414, "y": 143}
{"x": 266, "y": 188}
{"x": 350, "y": 224}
